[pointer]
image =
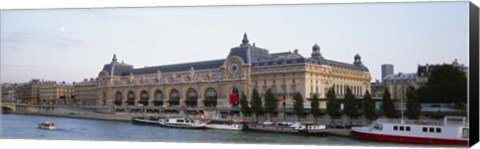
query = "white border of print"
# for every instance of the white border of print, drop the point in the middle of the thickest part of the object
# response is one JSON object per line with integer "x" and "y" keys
{"x": 57, "y": 144}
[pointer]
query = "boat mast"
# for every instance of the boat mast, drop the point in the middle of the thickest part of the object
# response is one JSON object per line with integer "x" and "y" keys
{"x": 401, "y": 107}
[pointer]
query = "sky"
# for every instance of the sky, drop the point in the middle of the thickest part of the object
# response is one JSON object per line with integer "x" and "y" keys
{"x": 73, "y": 44}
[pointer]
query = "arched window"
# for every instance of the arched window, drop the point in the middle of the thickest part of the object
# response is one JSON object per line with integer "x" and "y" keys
{"x": 144, "y": 98}
{"x": 158, "y": 98}
{"x": 211, "y": 97}
{"x": 174, "y": 98}
{"x": 131, "y": 98}
{"x": 118, "y": 98}
{"x": 105, "y": 98}
{"x": 294, "y": 90}
{"x": 192, "y": 97}
{"x": 354, "y": 90}
{"x": 235, "y": 90}
{"x": 337, "y": 91}
{"x": 358, "y": 90}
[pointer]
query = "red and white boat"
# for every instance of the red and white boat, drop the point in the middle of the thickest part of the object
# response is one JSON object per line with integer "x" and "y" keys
{"x": 447, "y": 132}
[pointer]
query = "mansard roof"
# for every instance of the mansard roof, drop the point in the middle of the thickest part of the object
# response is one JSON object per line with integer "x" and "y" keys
{"x": 259, "y": 57}
{"x": 116, "y": 68}
{"x": 359, "y": 67}
{"x": 400, "y": 77}
{"x": 213, "y": 64}
{"x": 249, "y": 53}
{"x": 287, "y": 61}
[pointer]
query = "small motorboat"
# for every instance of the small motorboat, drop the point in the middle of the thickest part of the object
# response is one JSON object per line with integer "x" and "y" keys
{"x": 47, "y": 125}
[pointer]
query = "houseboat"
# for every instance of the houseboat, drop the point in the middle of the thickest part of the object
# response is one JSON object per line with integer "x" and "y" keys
{"x": 47, "y": 125}
{"x": 225, "y": 124}
{"x": 289, "y": 127}
{"x": 182, "y": 123}
{"x": 449, "y": 132}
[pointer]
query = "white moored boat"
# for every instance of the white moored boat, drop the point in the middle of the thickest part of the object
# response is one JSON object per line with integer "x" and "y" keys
{"x": 448, "y": 132}
{"x": 47, "y": 125}
{"x": 182, "y": 123}
{"x": 224, "y": 124}
{"x": 289, "y": 127}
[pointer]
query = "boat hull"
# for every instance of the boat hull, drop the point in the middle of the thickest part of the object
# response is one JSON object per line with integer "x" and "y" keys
{"x": 47, "y": 127}
{"x": 406, "y": 139}
{"x": 224, "y": 127}
{"x": 283, "y": 129}
{"x": 138, "y": 121}
{"x": 182, "y": 126}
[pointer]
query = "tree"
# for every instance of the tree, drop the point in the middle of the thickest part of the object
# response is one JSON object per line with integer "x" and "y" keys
{"x": 244, "y": 105}
{"x": 368, "y": 106}
{"x": 256, "y": 104}
{"x": 388, "y": 107}
{"x": 350, "y": 105}
{"x": 271, "y": 103}
{"x": 446, "y": 84}
{"x": 298, "y": 105}
{"x": 315, "y": 109}
{"x": 413, "y": 104}
{"x": 333, "y": 108}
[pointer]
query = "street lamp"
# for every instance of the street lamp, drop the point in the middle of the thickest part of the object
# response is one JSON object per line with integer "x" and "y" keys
{"x": 284, "y": 114}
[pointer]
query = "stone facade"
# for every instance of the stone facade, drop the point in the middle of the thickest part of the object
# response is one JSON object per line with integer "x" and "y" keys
{"x": 377, "y": 89}
{"x": 398, "y": 83}
{"x": 8, "y": 92}
{"x": 28, "y": 93}
{"x": 53, "y": 93}
{"x": 85, "y": 92}
{"x": 212, "y": 84}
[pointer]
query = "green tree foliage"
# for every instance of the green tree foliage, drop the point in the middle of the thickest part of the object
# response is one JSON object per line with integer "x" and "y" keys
{"x": 256, "y": 103}
{"x": 413, "y": 104}
{"x": 350, "y": 105}
{"x": 271, "y": 103}
{"x": 298, "y": 105}
{"x": 333, "y": 107}
{"x": 244, "y": 105}
{"x": 315, "y": 109}
{"x": 446, "y": 84}
{"x": 388, "y": 107}
{"x": 368, "y": 106}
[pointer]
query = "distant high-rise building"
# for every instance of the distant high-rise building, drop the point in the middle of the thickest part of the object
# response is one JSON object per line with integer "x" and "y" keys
{"x": 387, "y": 69}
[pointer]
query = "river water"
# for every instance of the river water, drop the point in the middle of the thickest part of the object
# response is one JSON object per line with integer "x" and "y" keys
{"x": 14, "y": 126}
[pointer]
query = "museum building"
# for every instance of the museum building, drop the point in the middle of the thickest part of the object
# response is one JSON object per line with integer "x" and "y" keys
{"x": 219, "y": 83}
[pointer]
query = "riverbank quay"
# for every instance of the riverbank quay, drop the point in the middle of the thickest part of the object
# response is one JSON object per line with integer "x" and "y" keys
{"x": 104, "y": 113}
{"x": 340, "y": 132}
{"x": 109, "y": 117}
{"x": 75, "y": 112}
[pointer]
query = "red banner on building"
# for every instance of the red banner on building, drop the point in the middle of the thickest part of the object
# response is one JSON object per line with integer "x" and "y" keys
{"x": 234, "y": 99}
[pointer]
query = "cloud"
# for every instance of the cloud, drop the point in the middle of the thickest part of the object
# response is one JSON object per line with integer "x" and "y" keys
{"x": 32, "y": 39}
